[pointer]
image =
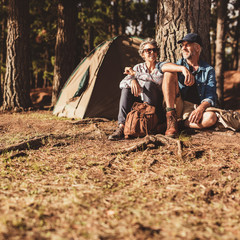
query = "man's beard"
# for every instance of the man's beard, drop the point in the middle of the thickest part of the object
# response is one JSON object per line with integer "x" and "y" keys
{"x": 187, "y": 56}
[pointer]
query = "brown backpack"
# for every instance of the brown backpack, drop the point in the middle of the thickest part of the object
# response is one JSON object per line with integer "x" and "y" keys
{"x": 141, "y": 121}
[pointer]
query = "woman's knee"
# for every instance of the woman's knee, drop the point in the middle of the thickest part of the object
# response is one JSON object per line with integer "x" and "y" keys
{"x": 151, "y": 93}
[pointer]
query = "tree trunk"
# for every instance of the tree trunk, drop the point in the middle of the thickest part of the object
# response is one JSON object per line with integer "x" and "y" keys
{"x": 238, "y": 58}
{"x": 123, "y": 19}
{"x": 45, "y": 77}
{"x": 152, "y": 13}
{"x": 65, "y": 49}
{"x": 177, "y": 18}
{"x": 17, "y": 86}
{"x": 2, "y": 56}
{"x": 116, "y": 17}
{"x": 213, "y": 51}
{"x": 219, "y": 58}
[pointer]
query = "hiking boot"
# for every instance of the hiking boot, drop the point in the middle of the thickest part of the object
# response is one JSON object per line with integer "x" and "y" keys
{"x": 172, "y": 126}
{"x": 117, "y": 135}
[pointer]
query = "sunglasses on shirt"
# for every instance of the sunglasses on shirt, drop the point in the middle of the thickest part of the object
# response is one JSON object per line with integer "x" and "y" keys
{"x": 149, "y": 50}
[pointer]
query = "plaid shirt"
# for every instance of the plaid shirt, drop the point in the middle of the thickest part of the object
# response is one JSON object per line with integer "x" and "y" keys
{"x": 142, "y": 75}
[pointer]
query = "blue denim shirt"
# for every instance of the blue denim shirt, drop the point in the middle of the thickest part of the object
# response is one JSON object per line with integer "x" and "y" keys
{"x": 205, "y": 80}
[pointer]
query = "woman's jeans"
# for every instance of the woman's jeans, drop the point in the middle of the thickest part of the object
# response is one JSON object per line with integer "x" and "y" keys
{"x": 151, "y": 94}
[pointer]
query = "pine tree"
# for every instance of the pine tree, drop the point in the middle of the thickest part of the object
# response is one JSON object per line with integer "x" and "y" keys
{"x": 177, "y": 18}
{"x": 16, "y": 86}
{"x": 65, "y": 49}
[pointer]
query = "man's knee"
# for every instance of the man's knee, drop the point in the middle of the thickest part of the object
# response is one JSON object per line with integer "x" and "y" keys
{"x": 209, "y": 119}
{"x": 169, "y": 76}
{"x": 170, "y": 81}
{"x": 212, "y": 118}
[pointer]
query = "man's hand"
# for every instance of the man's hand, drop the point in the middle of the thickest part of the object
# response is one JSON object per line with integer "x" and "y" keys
{"x": 129, "y": 71}
{"x": 196, "y": 115}
{"x": 135, "y": 88}
{"x": 189, "y": 78}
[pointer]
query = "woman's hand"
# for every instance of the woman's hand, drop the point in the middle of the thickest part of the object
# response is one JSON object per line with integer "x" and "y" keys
{"x": 135, "y": 88}
{"x": 129, "y": 71}
{"x": 189, "y": 78}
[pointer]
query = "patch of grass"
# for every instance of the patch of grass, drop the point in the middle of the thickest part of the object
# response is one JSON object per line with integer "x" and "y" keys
{"x": 40, "y": 115}
{"x": 184, "y": 137}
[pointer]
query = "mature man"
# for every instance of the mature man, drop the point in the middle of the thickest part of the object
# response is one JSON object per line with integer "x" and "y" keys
{"x": 188, "y": 93}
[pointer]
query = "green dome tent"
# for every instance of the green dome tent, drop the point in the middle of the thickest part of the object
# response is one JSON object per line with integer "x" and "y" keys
{"x": 92, "y": 90}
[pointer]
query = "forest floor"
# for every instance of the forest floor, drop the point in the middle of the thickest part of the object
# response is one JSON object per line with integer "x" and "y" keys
{"x": 62, "y": 179}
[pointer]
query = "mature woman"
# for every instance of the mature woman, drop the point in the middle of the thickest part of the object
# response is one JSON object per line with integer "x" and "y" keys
{"x": 142, "y": 83}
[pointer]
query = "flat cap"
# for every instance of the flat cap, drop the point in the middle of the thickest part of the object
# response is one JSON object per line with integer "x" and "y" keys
{"x": 192, "y": 37}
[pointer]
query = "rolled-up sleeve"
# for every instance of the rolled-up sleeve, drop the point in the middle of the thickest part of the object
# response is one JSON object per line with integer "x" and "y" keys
{"x": 159, "y": 66}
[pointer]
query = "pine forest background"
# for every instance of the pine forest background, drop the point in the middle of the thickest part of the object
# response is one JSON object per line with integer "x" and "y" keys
{"x": 91, "y": 22}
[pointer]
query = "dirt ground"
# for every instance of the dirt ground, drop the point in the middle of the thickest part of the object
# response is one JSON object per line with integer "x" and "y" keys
{"x": 62, "y": 179}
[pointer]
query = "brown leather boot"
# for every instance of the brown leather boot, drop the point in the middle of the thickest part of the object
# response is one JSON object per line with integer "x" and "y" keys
{"x": 117, "y": 135}
{"x": 172, "y": 127}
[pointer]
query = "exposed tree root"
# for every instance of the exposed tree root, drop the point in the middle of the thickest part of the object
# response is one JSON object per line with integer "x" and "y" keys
{"x": 37, "y": 142}
{"x": 147, "y": 142}
{"x": 33, "y": 143}
{"x": 19, "y": 154}
{"x": 89, "y": 120}
{"x": 157, "y": 140}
